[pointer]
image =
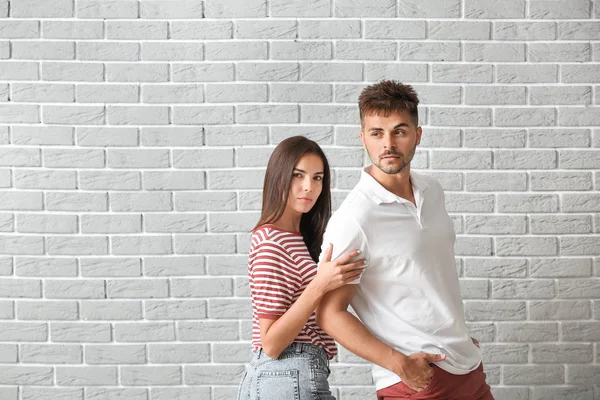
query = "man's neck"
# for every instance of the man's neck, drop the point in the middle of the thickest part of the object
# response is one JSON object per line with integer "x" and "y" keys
{"x": 399, "y": 184}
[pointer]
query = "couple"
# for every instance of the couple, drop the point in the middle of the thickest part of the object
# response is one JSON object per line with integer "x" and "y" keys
{"x": 387, "y": 251}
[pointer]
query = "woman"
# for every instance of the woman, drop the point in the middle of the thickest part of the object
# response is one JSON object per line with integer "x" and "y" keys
{"x": 291, "y": 352}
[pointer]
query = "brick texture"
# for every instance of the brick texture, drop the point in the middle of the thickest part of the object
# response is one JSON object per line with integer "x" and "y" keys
{"x": 133, "y": 141}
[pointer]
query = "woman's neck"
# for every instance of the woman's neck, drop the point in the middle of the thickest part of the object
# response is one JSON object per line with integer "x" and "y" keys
{"x": 289, "y": 221}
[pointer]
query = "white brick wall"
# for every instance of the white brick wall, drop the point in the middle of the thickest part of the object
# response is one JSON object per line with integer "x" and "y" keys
{"x": 133, "y": 141}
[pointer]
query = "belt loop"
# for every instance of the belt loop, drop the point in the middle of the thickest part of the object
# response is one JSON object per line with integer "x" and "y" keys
{"x": 298, "y": 347}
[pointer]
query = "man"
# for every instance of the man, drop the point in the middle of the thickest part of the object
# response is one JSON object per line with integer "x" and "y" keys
{"x": 411, "y": 325}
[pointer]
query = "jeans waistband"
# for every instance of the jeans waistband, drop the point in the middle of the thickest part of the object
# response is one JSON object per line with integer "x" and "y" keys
{"x": 302, "y": 348}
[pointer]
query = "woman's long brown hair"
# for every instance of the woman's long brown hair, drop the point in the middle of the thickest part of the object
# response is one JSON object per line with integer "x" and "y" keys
{"x": 276, "y": 190}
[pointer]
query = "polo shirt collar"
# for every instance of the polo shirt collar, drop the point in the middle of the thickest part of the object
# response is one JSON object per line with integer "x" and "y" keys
{"x": 380, "y": 195}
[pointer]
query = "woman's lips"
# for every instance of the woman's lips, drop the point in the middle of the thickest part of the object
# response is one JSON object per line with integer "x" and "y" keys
{"x": 305, "y": 199}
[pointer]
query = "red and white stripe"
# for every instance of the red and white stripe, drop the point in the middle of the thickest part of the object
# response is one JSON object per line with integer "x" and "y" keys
{"x": 279, "y": 269}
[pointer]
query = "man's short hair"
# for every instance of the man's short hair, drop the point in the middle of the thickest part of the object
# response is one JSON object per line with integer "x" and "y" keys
{"x": 386, "y": 97}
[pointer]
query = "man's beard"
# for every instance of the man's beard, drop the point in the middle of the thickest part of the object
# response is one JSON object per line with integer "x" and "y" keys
{"x": 393, "y": 169}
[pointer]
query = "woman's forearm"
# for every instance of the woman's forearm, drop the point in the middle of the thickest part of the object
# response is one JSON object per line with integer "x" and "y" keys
{"x": 286, "y": 328}
{"x": 348, "y": 331}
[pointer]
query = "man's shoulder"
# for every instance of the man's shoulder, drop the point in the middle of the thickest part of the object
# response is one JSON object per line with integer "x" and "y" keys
{"x": 352, "y": 212}
{"x": 356, "y": 202}
{"x": 425, "y": 178}
{"x": 427, "y": 181}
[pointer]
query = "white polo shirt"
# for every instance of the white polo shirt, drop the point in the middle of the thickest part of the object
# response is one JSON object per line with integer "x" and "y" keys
{"x": 409, "y": 295}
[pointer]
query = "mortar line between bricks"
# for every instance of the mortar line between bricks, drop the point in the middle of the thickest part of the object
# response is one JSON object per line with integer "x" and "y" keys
{"x": 307, "y": 18}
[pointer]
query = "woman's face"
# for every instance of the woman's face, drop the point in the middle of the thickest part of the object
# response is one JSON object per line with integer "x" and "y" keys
{"x": 307, "y": 183}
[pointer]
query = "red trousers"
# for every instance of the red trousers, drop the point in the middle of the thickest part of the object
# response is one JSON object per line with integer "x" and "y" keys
{"x": 443, "y": 386}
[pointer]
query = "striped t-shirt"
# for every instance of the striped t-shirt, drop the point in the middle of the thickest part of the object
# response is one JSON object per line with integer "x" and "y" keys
{"x": 279, "y": 269}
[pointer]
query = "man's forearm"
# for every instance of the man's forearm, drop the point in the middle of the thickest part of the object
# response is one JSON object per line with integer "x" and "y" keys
{"x": 348, "y": 331}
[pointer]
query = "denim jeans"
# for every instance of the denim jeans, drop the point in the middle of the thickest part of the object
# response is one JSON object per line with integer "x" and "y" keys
{"x": 299, "y": 373}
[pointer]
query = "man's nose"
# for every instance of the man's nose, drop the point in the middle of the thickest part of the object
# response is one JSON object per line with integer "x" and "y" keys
{"x": 387, "y": 141}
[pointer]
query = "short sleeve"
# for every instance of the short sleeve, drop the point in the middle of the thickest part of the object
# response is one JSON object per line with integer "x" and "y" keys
{"x": 346, "y": 236}
{"x": 273, "y": 280}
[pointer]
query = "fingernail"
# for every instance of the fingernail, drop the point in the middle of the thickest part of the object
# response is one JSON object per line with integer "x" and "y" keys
{"x": 359, "y": 252}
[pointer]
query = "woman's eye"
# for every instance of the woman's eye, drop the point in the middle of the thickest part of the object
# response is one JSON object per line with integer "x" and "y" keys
{"x": 318, "y": 178}
{"x": 297, "y": 175}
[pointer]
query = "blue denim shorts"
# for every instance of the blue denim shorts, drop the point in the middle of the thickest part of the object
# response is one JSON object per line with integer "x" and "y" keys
{"x": 299, "y": 373}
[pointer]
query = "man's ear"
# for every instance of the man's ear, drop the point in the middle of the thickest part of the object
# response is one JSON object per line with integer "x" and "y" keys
{"x": 362, "y": 137}
{"x": 419, "y": 133}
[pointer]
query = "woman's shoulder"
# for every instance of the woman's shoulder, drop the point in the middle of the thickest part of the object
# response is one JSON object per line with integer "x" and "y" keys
{"x": 262, "y": 233}
{"x": 274, "y": 233}
{"x": 270, "y": 234}
{"x": 270, "y": 243}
